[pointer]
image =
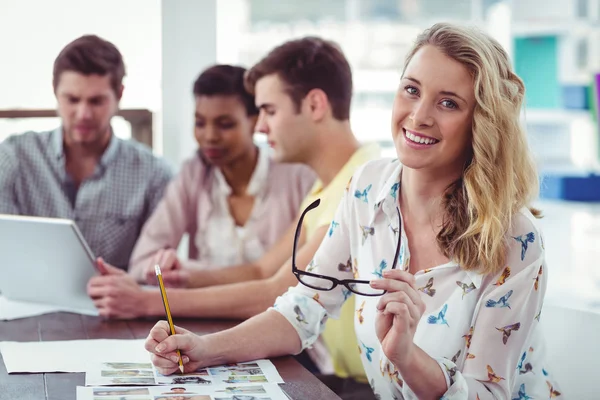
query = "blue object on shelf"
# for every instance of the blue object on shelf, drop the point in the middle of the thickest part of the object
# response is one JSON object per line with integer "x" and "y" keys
{"x": 575, "y": 97}
{"x": 585, "y": 188}
{"x": 536, "y": 62}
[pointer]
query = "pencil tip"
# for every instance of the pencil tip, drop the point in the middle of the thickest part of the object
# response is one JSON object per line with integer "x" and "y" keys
{"x": 181, "y": 368}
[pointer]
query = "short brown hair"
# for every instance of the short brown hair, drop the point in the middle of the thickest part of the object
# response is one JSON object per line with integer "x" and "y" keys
{"x": 90, "y": 54}
{"x": 306, "y": 64}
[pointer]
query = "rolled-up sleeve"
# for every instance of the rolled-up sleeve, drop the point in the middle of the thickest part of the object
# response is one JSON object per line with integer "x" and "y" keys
{"x": 166, "y": 225}
{"x": 308, "y": 309}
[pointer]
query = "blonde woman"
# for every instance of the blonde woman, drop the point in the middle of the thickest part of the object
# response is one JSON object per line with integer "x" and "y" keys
{"x": 441, "y": 246}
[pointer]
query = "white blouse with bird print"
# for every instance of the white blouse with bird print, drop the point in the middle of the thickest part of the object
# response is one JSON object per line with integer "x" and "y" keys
{"x": 481, "y": 329}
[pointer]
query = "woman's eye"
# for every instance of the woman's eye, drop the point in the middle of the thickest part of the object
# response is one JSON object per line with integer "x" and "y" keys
{"x": 226, "y": 125}
{"x": 411, "y": 90}
{"x": 449, "y": 104}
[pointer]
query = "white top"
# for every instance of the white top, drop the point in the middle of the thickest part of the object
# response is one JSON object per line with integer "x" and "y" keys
{"x": 481, "y": 329}
{"x": 224, "y": 243}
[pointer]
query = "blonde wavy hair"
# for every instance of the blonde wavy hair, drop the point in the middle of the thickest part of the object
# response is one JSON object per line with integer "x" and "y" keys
{"x": 501, "y": 177}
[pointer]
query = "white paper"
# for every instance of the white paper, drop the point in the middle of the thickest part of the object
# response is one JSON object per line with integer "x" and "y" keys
{"x": 70, "y": 355}
{"x": 123, "y": 373}
{"x": 13, "y": 309}
{"x": 266, "y": 391}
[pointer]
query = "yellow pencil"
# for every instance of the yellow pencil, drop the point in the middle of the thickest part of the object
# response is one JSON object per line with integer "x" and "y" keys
{"x": 163, "y": 293}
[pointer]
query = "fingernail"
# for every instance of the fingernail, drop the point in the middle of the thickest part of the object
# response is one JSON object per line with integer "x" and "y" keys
{"x": 185, "y": 359}
{"x": 374, "y": 284}
{"x": 387, "y": 273}
{"x": 175, "y": 359}
{"x": 160, "y": 348}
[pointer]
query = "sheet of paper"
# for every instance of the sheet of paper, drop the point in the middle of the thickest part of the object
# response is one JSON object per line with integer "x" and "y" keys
{"x": 127, "y": 373}
{"x": 265, "y": 391}
{"x": 70, "y": 355}
{"x": 12, "y": 309}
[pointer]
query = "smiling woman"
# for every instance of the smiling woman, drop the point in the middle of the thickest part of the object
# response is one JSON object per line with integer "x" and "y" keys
{"x": 459, "y": 316}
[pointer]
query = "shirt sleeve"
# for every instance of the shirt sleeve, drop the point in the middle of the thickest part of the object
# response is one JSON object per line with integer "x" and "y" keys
{"x": 166, "y": 226}
{"x": 161, "y": 180}
{"x": 507, "y": 316}
{"x": 308, "y": 309}
{"x": 8, "y": 176}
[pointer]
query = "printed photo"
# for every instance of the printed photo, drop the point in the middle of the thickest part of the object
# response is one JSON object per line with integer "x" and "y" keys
{"x": 247, "y": 371}
{"x": 236, "y": 371}
{"x": 242, "y": 397}
{"x": 183, "y": 380}
{"x": 117, "y": 391}
{"x": 133, "y": 381}
{"x": 121, "y": 373}
{"x": 256, "y": 389}
{"x": 184, "y": 397}
{"x": 247, "y": 365}
{"x": 177, "y": 390}
{"x": 122, "y": 398}
{"x": 245, "y": 379}
{"x": 122, "y": 365}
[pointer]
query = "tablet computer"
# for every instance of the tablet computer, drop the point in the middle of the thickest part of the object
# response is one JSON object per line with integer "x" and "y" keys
{"x": 45, "y": 260}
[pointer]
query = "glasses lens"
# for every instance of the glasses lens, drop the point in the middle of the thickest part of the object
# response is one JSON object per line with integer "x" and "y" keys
{"x": 316, "y": 283}
{"x": 365, "y": 289}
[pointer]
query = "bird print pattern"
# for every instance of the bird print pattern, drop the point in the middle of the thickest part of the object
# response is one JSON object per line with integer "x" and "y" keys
{"x": 505, "y": 275}
{"x": 379, "y": 270}
{"x": 332, "y": 227}
{"x": 347, "y": 267}
{"x": 473, "y": 324}
{"x": 501, "y": 302}
{"x": 468, "y": 337}
{"x": 368, "y": 351}
{"x": 363, "y": 194}
{"x": 522, "y": 394}
{"x": 553, "y": 393}
{"x": 300, "y": 315}
{"x": 507, "y": 330}
{"x": 537, "y": 279}
{"x": 428, "y": 289}
{"x": 311, "y": 266}
{"x": 466, "y": 288}
{"x": 366, "y": 231}
{"x": 346, "y": 293}
{"x": 525, "y": 240}
{"x": 440, "y": 318}
{"x": 394, "y": 190}
{"x": 492, "y": 375}
{"x": 359, "y": 312}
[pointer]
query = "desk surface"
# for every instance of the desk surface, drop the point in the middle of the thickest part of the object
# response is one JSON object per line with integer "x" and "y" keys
{"x": 299, "y": 383}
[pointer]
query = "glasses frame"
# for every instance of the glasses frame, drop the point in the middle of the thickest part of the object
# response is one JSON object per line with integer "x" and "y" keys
{"x": 334, "y": 281}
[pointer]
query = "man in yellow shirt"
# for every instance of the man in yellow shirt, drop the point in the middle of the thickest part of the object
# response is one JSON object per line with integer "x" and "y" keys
{"x": 303, "y": 89}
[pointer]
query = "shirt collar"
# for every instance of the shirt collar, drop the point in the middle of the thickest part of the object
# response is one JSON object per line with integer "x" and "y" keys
{"x": 387, "y": 198}
{"x": 387, "y": 201}
{"x": 107, "y": 157}
{"x": 475, "y": 277}
{"x": 258, "y": 180}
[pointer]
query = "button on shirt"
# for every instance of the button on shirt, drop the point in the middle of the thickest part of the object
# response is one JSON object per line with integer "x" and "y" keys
{"x": 481, "y": 329}
{"x": 110, "y": 207}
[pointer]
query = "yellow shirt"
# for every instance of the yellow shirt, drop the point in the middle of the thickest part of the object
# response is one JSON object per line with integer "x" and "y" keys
{"x": 339, "y": 335}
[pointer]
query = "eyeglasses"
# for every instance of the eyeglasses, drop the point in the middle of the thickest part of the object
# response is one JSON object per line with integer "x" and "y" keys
{"x": 323, "y": 282}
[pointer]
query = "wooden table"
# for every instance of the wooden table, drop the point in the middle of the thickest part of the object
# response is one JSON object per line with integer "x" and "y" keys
{"x": 299, "y": 383}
